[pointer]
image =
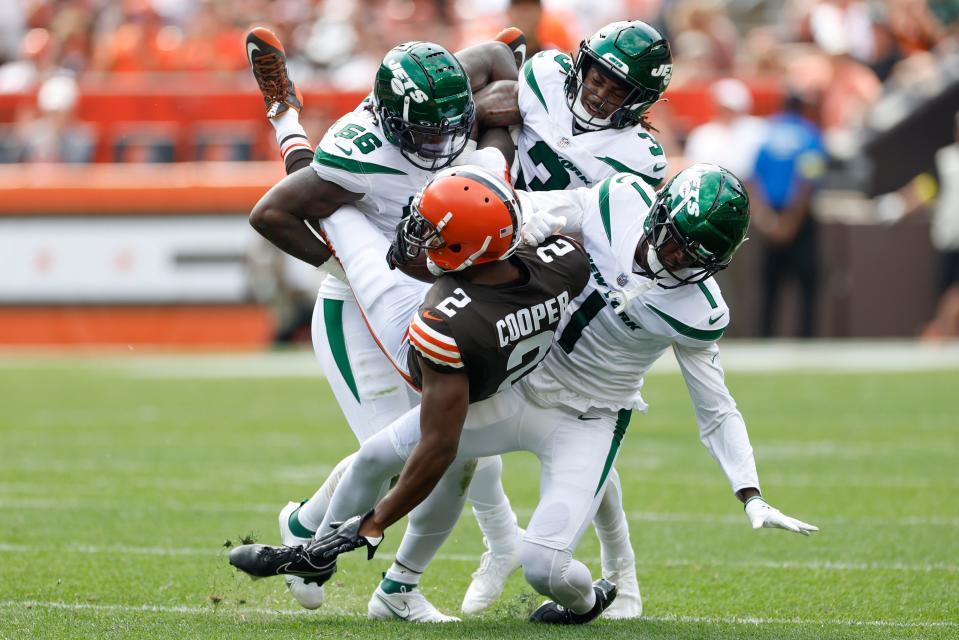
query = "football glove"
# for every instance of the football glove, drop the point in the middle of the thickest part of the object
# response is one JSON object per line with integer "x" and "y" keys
{"x": 344, "y": 538}
{"x": 540, "y": 226}
{"x": 764, "y": 516}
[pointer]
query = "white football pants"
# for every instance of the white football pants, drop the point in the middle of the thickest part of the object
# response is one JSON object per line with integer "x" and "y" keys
{"x": 576, "y": 453}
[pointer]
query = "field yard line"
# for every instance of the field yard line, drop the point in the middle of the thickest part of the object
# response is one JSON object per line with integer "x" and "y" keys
{"x": 735, "y": 519}
{"x": 745, "y": 620}
{"x": 825, "y": 565}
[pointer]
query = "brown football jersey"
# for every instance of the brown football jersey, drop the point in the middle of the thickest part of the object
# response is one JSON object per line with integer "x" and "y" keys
{"x": 497, "y": 334}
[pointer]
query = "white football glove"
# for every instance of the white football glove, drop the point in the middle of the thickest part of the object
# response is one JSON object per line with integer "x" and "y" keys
{"x": 764, "y": 516}
{"x": 540, "y": 226}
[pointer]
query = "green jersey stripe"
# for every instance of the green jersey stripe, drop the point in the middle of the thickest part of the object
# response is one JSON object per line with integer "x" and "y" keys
{"x": 592, "y": 305}
{"x": 622, "y": 421}
{"x": 333, "y": 318}
{"x": 531, "y": 81}
{"x": 622, "y": 168}
{"x": 604, "y": 208}
{"x": 353, "y": 166}
{"x": 709, "y": 296}
{"x": 690, "y": 332}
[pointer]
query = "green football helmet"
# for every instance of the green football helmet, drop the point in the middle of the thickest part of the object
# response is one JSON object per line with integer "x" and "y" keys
{"x": 704, "y": 211}
{"x": 634, "y": 54}
{"x": 423, "y": 100}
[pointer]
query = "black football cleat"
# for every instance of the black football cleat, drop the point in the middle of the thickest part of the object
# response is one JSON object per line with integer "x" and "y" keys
{"x": 553, "y": 613}
{"x": 263, "y": 561}
{"x": 267, "y": 58}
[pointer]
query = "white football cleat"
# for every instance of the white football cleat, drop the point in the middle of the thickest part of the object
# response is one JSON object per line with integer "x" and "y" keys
{"x": 628, "y": 603}
{"x": 490, "y": 579}
{"x": 410, "y": 606}
{"x": 308, "y": 594}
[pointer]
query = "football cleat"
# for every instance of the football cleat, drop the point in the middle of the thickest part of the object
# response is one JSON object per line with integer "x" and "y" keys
{"x": 266, "y": 56}
{"x": 304, "y": 590}
{"x": 411, "y": 606}
{"x": 629, "y": 603}
{"x": 263, "y": 561}
{"x": 515, "y": 39}
{"x": 552, "y": 613}
{"x": 490, "y": 579}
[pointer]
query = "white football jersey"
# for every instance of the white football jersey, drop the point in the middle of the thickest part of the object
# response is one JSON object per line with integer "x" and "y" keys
{"x": 624, "y": 322}
{"x": 549, "y": 157}
{"x": 355, "y": 155}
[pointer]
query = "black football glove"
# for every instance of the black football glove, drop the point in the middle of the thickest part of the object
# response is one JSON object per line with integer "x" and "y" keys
{"x": 344, "y": 538}
{"x": 401, "y": 252}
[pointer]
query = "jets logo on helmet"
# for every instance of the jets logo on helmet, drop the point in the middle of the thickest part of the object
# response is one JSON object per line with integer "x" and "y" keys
{"x": 403, "y": 84}
{"x": 696, "y": 224}
{"x": 423, "y": 100}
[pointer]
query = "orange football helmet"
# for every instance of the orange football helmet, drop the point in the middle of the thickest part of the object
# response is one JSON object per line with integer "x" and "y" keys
{"x": 463, "y": 216}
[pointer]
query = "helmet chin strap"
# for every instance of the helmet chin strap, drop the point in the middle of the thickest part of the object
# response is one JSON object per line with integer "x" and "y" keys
{"x": 585, "y": 120}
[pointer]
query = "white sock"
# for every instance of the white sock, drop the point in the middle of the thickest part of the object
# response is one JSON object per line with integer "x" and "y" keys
{"x": 313, "y": 510}
{"x": 612, "y": 529}
{"x": 491, "y": 506}
{"x": 432, "y": 520}
{"x": 290, "y": 134}
{"x": 403, "y": 575}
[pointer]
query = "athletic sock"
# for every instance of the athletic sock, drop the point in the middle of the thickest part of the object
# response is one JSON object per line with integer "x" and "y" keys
{"x": 612, "y": 528}
{"x": 398, "y": 579}
{"x": 492, "y": 508}
{"x": 291, "y": 136}
{"x": 311, "y": 513}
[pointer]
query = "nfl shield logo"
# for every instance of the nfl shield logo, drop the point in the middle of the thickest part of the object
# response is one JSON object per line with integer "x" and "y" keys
{"x": 622, "y": 279}
{"x": 563, "y": 143}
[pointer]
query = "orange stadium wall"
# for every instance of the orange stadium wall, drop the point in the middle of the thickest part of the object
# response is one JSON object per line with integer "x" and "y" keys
{"x": 66, "y": 283}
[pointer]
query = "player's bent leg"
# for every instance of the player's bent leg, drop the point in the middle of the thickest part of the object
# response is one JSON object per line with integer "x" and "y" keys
{"x": 367, "y": 387}
{"x": 616, "y": 551}
{"x": 365, "y": 480}
{"x": 576, "y": 457}
{"x": 501, "y": 535}
{"x": 555, "y": 574}
{"x": 387, "y": 298}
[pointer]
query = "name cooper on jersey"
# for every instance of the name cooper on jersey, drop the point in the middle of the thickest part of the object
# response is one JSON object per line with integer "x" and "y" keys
{"x": 530, "y": 320}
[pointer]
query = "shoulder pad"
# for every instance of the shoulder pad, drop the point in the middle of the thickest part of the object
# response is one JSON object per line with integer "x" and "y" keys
{"x": 695, "y": 311}
{"x": 432, "y": 339}
{"x": 544, "y": 73}
{"x": 643, "y": 157}
{"x": 356, "y": 145}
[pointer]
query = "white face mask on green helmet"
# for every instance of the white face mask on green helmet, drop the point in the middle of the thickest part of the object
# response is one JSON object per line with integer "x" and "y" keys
{"x": 632, "y": 53}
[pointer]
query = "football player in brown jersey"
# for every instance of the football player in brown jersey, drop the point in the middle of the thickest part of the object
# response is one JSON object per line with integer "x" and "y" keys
{"x": 485, "y": 323}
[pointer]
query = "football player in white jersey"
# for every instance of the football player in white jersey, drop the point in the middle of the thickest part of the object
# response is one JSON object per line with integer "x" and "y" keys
{"x": 585, "y": 120}
{"x": 580, "y": 123}
{"x": 417, "y": 120}
{"x": 652, "y": 260}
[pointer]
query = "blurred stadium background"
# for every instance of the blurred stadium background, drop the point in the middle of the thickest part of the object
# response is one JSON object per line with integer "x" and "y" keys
{"x": 133, "y": 145}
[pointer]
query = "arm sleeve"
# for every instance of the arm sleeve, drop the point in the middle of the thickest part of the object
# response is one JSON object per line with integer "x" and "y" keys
{"x": 571, "y": 204}
{"x": 721, "y": 426}
{"x": 431, "y": 338}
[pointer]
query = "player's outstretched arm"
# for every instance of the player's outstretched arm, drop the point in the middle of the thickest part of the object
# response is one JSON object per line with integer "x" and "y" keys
{"x": 442, "y": 414}
{"x": 723, "y": 432}
{"x": 300, "y": 196}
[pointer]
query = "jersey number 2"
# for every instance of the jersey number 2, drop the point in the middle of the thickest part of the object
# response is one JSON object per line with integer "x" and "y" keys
{"x": 539, "y": 343}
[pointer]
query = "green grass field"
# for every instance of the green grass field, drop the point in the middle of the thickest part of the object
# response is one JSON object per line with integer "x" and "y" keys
{"x": 119, "y": 490}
